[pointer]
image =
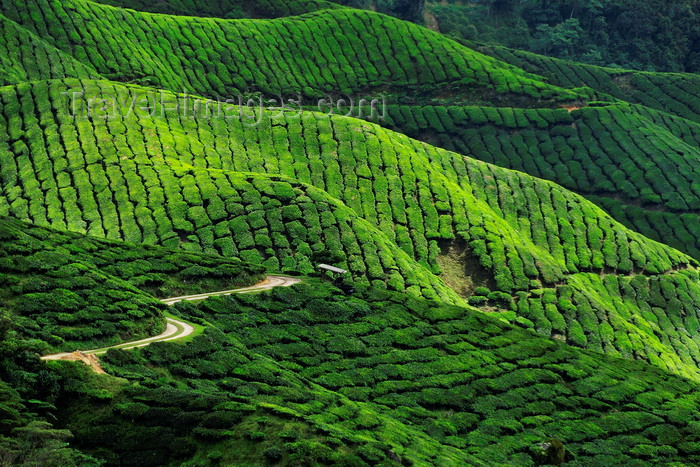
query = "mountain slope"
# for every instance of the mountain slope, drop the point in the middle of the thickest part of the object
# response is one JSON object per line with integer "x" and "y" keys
{"x": 675, "y": 93}
{"x": 497, "y": 84}
{"x": 485, "y": 311}
{"x": 227, "y": 8}
{"x": 534, "y": 245}
{"x": 26, "y": 57}
{"x": 389, "y": 377}
{"x": 97, "y": 290}
{"x": 641, "y": 165}
{"x": 309, "y": 55}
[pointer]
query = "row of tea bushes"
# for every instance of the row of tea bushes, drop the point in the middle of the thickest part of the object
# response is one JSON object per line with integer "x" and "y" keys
{"x": 73, "y": 291}
{"x": 226, "y": 8}
{"x": 642, "y": 161}
{"x": 25, "y": 57}
{"x": 467, "y": 379}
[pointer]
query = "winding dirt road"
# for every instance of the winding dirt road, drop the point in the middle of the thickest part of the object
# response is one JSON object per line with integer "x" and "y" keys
{"x": 269, "y": 283}
{"x": 176, "y": 329}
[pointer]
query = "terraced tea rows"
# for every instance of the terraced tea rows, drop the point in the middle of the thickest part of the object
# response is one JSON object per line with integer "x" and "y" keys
{"x": 189, "y": 182}
{"x": 621, "y": 181}
{"x": 652, "y": 318}
{"x": 246, "y": 403}
{"x": 383, "y": 368}
{"x": 227, "y": 8}
{"x": 309, "y": 55}
{"x": 25, "y": 57}
{"x": 468, "y": 380}
{"x": 147, "y": 198}
{"x": 676, "y": 93}
{"x": 641, "y": 165}
{"x": 310, "y": 374}
{"x": 94, "y": 288}
{"x": 674, "y": 229}
{"x": 395, "y": 170}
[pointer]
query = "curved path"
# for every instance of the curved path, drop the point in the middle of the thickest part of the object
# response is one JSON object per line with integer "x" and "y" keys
{"x": 268, "y": 283}
{"x": 176, "y": 329}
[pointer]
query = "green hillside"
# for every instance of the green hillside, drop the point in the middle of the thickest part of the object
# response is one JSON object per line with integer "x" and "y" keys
{"x": 640, "y": 165}
{"x": 307, "y": 375}
{"x": 226, "y": 8}
{"x": 542, "y": 254}
{"x": 95, "y": 288}
{"x": 640, "y": 207}
{"x": 675, "y": 93}
{"x": 521, "y": 236}
{"x": 25, "y": 57}
{"x": 303, "y": 55}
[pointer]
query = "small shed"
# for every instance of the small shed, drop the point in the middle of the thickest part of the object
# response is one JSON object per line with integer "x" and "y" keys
{"x": 336, "y": 274}
{"x": 333, "y": 269}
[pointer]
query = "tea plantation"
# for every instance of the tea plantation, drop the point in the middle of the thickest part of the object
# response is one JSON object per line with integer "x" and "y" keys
{"x": 95, "y": 288}
{"x": 521, "y": 233}
{"x": 25, "y": 57}
{"x": 308, "y": 375}
{"x": 676, "y": 93}
{"x": 425, "y": 201}
{"x": 641, "y": 165}
{"x": 304, "y": 55}
{"x": 226, "y": 8}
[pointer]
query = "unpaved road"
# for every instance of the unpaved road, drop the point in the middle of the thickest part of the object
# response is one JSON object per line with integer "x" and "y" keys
{"x": 269, "y": 283}
{"x": 176, "y": 329}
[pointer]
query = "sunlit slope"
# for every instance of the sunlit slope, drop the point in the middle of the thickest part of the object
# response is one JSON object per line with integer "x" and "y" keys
{"x": 226, "y": 8}
{"x": 641, "y": 165}
{"x": 109, "y": 191}
{"x": 390, "y": 208}
{"x": 342, "y": 50}
{"x": 665, "y": 211}
{"x": 26, "y": 57}
{"x": 339, "y": 65}
{"x": 310, "y": 373}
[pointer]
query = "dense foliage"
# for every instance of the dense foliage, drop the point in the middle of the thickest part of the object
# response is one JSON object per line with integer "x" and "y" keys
{"x": 659, "y": 35}
{"x": 225, "y": 8}
{"x": 409, "y": 10}
{"x": 674, "y": 93}
{"x": 25, "y": 57}
{"x": 640, "y": 165}
{"x": 522, "y": 233}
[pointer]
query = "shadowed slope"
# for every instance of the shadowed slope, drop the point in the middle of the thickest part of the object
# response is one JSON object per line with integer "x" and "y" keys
{"x": 73, "y": 291}
{"x": 483, "y": 391}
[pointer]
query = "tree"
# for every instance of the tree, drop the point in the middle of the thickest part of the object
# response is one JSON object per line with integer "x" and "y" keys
{"x": 561, "y": 40}
{"x": 410, "y": 10}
